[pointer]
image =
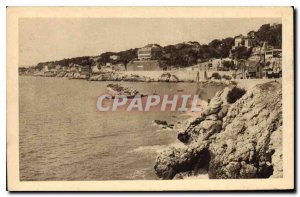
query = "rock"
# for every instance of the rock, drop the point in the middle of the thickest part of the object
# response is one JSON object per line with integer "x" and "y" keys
{"x": 69, "y": 75}
{"x": 116, "y": 89}
{"x": 208, "y": 128}
{"x": 208, "y": 124}
{"x": 163, "y": 79}
{"x": 210, "y": 111}
{"x": 215, "y": 103}
{"x": 275, "y": 147}
{"x": 161, "y": 122}
{"x": 76, "y": 75}
{"x": 61, "y": 74}
{"x": 241, "y": 140}
{"x": 185, "y": 134}
{"x": 168, "y": 77}
{"x": 175, "y": 160}
{"x": 182, "y": 175}
{"x": 223, "y": 112}
{"x": 212, "y": 117}
{"x": 183, "y": 137}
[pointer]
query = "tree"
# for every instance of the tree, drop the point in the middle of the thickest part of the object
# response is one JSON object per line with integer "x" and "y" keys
{"x": 241, "y": 53}
{"x": 127, "y": 56}
{"x": 270, "y": 34}
{"x": 228, "y": 65}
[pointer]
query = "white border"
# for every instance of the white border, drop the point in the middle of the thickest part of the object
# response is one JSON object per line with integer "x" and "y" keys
{"x": 3, "y": 5}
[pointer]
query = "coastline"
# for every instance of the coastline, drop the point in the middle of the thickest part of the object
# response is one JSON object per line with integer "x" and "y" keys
{"x": 188, "y": 117}
{"x": 127, "y": 77}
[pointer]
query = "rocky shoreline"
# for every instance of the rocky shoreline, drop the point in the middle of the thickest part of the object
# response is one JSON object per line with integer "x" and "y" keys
{"x": 238, "y": 136}
{"x": 118, "y": 90}
{"x": 119, "y": 77}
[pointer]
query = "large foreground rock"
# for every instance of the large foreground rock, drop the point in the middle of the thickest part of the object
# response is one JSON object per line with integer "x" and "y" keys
{"x": 239, "y": 140}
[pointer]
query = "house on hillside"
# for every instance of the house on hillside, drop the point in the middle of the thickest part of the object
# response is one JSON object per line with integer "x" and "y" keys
{"x": 273, "y": 68}
{"x": 242, "y": 41}
{"x": 258, "y": 52}
{"x": 245, "y": 41}
{"x": 273, "y": 63}
{"x": 214, "y": 64}
{"x": 238, "y": 40}
{"x": 114, "y": 57}
{"x": 251, "y": 69}
{"x": 150, "y": 52}
{"x": 273, "y": 53}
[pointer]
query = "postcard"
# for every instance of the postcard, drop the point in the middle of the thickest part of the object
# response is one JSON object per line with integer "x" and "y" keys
{"x": 150, "y": 98}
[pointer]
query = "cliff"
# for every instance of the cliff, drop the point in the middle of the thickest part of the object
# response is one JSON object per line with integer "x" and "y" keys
{"x": 238, "y": 136}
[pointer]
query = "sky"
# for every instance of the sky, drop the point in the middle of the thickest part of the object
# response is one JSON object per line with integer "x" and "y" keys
{"x": 46, "y": 39}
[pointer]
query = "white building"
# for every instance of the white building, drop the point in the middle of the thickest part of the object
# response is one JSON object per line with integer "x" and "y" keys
{"x": 114, "y": 57}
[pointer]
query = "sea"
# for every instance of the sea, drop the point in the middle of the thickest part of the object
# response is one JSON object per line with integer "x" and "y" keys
{"x": 63, "y": 136}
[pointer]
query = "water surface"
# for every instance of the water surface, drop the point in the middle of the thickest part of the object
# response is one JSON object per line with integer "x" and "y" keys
{"x": 64, "y": 137}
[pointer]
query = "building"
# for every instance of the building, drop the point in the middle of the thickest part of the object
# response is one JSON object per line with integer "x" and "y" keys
{"x": 273, "y": 68}
{"x": 249, "y": 42}
{"x": 150, "y": 52}
{"x": 202, "y": 66}
{"x": 273, "y": 53}
{"x": 237, "y": 41}
{"x": 216, "y": 64}
{"x": 273, "y": 63}
{"x": 258, "y": 52}
{"x": 114, "y": 57}
{"x": 45, "y": 68}
{"x": 240, "y": 40}
{"x": 251, "y": 69}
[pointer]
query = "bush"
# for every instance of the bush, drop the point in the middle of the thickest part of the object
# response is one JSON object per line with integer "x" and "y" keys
{"x": 235, "y": 94}
{"x": 216, "y": 76}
